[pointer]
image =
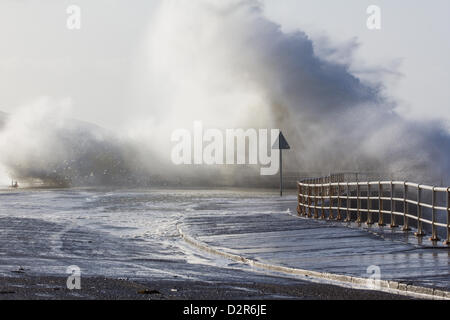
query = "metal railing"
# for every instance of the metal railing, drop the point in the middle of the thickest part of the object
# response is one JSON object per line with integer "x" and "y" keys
{"x": 386, "y": 200}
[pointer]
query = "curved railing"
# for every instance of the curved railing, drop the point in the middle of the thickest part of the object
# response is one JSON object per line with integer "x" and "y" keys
{"x": 388, "y": 200}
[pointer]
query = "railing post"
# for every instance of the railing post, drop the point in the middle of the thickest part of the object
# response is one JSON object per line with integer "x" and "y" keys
{"x": 319, "y": 197}
{"x": 380, "y": 204}
{"x": 358, "y": 203}
{"x": 330, "y": 196}
{"x": 301, "y": 197}
{"x": 322, "y": 201}
{"x": 339, "y": 215}
{"x": 393, "y": 223}
{"x": 419, "y": 232}
{"x": 303, "y": 208}
{"x": 447, "y": 242}
{"x": 405, "y": 208}
{"x": 349, "y": 215}
{"x": 369, "y": 205}
{"x": 309, "y": 199}
{"x": 434, "y": 236}
{"x": 316, "y": 196}
{"x": 304, "y": 200}
{"x": 330, "y": 182}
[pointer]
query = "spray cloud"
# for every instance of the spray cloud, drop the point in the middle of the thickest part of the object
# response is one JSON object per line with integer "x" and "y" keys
{"x": 225, "y": 64}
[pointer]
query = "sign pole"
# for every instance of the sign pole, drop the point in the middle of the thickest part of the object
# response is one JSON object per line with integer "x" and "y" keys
{"x": 281, "y": 173}
{"x": 281, "y": 144}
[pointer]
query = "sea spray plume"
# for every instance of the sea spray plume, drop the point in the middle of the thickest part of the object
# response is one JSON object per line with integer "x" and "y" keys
{"x": 3, "y": 119}
{"x": 40, "y": 143}
{"x": 224, "y": 63}
{"x": 4, "y": 178}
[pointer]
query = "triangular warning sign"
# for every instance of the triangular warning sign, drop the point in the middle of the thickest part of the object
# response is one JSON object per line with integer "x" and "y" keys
{"x": 281, "y": 143}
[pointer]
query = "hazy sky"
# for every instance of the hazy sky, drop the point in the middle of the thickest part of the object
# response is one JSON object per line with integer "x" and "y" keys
{"x": 98, "y": 66}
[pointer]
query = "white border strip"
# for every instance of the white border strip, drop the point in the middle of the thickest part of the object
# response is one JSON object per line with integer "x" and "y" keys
{"x": 384, "y": 285}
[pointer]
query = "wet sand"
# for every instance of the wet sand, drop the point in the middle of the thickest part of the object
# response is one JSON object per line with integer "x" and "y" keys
{"x": 26, "y": 287}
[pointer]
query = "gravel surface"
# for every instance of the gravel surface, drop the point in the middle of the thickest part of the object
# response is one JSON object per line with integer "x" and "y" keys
{"x": 26, "y": 287}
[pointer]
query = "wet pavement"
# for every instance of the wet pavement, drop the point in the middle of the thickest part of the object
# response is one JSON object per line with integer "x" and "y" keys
{"x": 285, "y": 239}
{"x": 133, "y": 234}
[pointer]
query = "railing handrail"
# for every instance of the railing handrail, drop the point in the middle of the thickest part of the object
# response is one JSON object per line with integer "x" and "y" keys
{"x": 313, "y": 192}
{"x": 411, "y": 184}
